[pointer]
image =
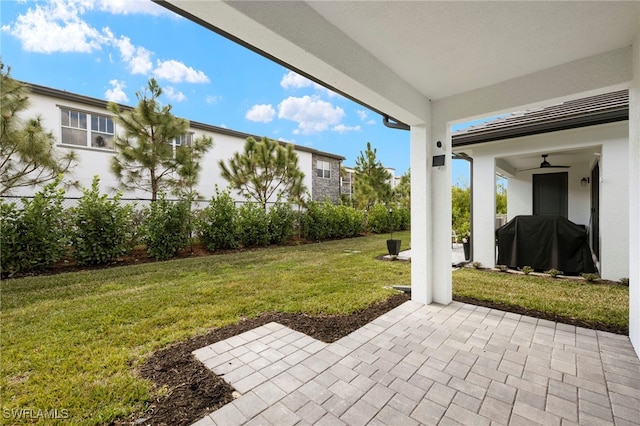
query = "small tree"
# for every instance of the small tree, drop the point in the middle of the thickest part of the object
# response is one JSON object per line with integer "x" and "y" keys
{"x": 264, "y": 170}
{"x": 27, "y": 151}
{"x": 501, "y": 196}
{"x": 371, "y": 180}
{"x": 146, "y": 156}
{"x": 461, "y": 210}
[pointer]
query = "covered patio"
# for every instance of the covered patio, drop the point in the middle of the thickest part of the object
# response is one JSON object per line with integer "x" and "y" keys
{"x": 425, "y": 66}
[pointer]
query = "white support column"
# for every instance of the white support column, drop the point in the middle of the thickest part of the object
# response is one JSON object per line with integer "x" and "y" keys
{"x": 421, "y": 250}
{"x": 430, "y": 215}
{"x": 484, "y": 208}
{"x": 634, "y": 200}
{"x": 441, "y": 213}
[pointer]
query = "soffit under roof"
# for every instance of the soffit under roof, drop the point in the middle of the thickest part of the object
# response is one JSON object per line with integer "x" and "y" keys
{"x": 444, "y": 48}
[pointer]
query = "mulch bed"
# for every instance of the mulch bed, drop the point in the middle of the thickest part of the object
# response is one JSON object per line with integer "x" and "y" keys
{"x": 191, "y": 390}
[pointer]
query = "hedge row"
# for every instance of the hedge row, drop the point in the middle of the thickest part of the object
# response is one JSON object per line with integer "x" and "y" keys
{"x": 99, "y": 230}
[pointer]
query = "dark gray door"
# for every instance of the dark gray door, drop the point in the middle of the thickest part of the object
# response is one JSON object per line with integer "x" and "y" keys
{"x": 551, "y": 194}
{"x": 595, "y": 210}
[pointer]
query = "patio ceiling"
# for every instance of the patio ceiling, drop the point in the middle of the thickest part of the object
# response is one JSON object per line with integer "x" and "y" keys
{"x": 567, "y": 157}
{"x": 411, "y": 52}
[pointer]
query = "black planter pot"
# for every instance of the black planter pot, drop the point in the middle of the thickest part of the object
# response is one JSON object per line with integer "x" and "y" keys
{"x": 394, "y": 247}
{"x": 467, "y": 250}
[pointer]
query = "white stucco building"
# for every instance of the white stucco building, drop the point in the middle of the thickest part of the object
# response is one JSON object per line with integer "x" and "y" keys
{"x": 429, "y": 65}
{"x": 585, "y": 143}
{"x": 84, "y": 125}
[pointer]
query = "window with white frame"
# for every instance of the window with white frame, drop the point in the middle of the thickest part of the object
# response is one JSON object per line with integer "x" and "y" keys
{"x": 86, "y": 129}
{"x": 185, "y": 139}
{"x": 323, "y": 169}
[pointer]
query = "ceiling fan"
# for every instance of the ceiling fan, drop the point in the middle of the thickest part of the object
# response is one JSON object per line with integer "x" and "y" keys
{"x": 546, "y": 165}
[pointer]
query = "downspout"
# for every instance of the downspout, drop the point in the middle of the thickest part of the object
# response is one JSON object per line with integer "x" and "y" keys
{"x": 395, "y": 124}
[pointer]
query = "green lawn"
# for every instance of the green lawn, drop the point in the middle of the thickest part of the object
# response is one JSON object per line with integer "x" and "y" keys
{"x": 72, "y": 341}
{"x": 570, "y": 298}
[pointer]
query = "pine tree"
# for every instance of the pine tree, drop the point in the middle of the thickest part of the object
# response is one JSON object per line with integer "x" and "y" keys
{"x": 371, "y": 180}
{"x": 146, "y": 156}
{"x": 27, "y": 151}
{"x": 265, "y": 169}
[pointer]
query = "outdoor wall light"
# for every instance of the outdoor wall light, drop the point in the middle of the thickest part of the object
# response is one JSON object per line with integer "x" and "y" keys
{"x": 584, "y": 181}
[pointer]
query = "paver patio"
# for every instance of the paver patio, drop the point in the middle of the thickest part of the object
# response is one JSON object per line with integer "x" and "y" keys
{"x": 434, "y": 364}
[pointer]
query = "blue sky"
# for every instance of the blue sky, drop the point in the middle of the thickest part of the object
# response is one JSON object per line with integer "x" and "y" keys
{"x": 108, "y": 49}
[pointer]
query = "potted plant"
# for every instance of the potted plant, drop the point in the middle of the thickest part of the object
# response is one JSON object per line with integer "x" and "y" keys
{"x": 466, "y": 246}
{"x": 393, "y": 246}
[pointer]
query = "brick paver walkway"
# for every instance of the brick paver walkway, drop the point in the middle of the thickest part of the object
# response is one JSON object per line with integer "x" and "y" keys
{"x": 447, "y": 365}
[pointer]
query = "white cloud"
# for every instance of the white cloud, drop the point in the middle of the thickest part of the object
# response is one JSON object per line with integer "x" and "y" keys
{"x": 362, "y": 114}
{"x": 212, "y": 99}
{"x": 137, "y": 57}
{"x": 311, "y": 114}
{"x": 173, "y": 94}
{"x": 261, "y": 113}
{"x": 177, "y": 72}
{"x": 341, "y": 128}
{"x": 57, "y": 27}
{"x": 295, "y": 81}
{"x": 116, "y": 93}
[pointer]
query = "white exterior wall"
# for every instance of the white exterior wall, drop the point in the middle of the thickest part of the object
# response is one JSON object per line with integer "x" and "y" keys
{"x": 92, "y": 161}
{"x": 611, "y": 140}
{"x": 634, "y": 199}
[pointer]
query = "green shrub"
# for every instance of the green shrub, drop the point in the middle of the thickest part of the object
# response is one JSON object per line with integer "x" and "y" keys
{"x": 553, "y": 273}
{"x": 102, "y": 228}
{"x": 351, "y": 221}
{"x": 590, "y": 277}
{"x": 527, "y": 270}
{"x": 34, "y": 237}
{"x": 253, "y": 225}
{"x": 380, "y": 220}
{"x": 402, "y": 218}
{"x": 313, "y": 222}
{"x": 167, "y": 228}
{"x": 12, "y": 255}
{"x": 502, "y": 268}
{"x": 281, "y": 219}
{"x": 476, "y": 265}
{"x": 218, "y": 223}
{"x": 323, "y": 221}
